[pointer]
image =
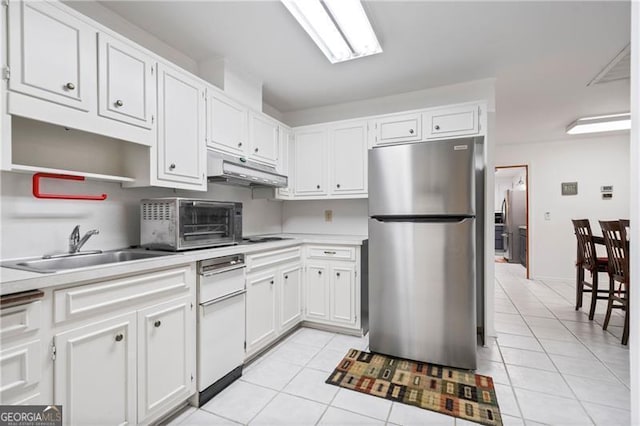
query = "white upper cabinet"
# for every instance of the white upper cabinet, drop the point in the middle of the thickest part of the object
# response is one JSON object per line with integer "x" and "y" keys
{"x": 310, "y": 162}
{"x": 52, "y": 55}
{"x": 398, "y": 128}
{"x": 449, "y": 122}
{"x": 181, "y": 151}
{"x": 126, "y": 80}
{"x": 348, "y": 153}
{"x": 263, "y": 134}
{"x": 227, "y": 125}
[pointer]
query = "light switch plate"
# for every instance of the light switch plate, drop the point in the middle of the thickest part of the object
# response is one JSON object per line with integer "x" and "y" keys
{"x": 547, "y": 215}
{"x": 328, "y": 215}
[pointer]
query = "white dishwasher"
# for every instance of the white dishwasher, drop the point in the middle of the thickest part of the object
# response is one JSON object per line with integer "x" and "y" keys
{"x": 221, "y": 323}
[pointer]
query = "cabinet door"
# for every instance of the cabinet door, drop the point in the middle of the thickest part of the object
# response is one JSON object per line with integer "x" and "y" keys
{"x": 263, "y": 133}
{"x": 52, "y": 55}
{"x": 126, "y": 80}
{"x": 310, "y": 162}
{"x": 166, "y": 356}
{"x": 398, "y": 128}
{"x": 290, "y": 297}
{"x": 20, "y": 373}
{"x": 227, "y": 125}
{"x": 261, "y": 314}
{"x": 181, "y": 129}
{"x": 285, "y": 160}
{"x": 348, "y": 148}
{"x": 317, "y": 292}
{"x": 95, "y": 372}
{"x": 458, "y": 121}
{"x": 343, "y": 294}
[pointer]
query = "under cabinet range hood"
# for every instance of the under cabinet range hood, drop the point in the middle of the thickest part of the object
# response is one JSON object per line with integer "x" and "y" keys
{"x": 241, "y": 172}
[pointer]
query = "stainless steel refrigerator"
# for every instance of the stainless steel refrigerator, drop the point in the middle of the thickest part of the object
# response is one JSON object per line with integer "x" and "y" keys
{"x": 514, "y": 215}
{"x": 425, "y": 250}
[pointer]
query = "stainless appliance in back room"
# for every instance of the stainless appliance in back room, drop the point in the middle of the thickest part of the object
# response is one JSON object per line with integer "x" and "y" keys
{"x": 426, "y": 203}
{"x": 514, "y": 215}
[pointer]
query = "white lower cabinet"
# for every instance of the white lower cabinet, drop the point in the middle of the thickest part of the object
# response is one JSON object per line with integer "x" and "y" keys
{"x": 290, "y": 280}
{"x": 95, "y": 372}
{"x": 261, "y": 309}
{"x": 166, "y": 341}
{"x": 129, "y": 362}
{"x": 274, "y": 296}
{"x": 332, "y": 286}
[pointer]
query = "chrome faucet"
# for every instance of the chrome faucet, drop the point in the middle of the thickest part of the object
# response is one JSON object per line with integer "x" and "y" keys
{"x": 75, "y": 242}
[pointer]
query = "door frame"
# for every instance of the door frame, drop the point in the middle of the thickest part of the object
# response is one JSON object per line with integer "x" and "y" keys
{"x": 526, "y": 178}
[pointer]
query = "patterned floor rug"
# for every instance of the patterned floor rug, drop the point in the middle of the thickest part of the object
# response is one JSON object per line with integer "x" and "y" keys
{"x": 457, "y": 393}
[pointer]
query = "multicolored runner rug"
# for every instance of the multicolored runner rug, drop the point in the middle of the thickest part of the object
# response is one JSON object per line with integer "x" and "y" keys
{"x": 457, "y": 393}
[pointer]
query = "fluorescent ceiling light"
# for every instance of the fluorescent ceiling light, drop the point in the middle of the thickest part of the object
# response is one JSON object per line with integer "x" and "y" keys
{"x": 340, "y": 28}
{"x": 601, "y": 123}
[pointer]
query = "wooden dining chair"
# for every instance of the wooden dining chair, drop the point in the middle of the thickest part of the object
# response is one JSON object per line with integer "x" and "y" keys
{"x": 615, "y": 239}
{"x": 588, "y": 261}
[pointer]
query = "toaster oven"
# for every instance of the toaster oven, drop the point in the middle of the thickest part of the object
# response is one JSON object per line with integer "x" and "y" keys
{"x": 177, "y": 224}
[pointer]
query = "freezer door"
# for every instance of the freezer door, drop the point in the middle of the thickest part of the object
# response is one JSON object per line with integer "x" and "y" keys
{"x": 422, "y": 291}
{"x": 428, "y": 178}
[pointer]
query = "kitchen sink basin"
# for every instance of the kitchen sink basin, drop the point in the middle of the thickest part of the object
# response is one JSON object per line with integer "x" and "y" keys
{"x": 81, "y": 260}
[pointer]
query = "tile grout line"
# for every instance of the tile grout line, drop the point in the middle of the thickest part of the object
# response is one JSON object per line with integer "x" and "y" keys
{"x": 554, "y": 364}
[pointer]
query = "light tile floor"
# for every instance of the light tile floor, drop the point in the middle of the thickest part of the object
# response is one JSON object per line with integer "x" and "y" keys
{"x": 550, "y": 364}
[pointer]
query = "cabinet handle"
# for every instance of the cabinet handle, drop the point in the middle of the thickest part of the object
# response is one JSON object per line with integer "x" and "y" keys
{"x": 329, "y": 252}
{"x": 410, "y": 131}
{"x": 119, "y": 103}
{"x": 338, "y": 185}
{"x": 119, "y": 337}
{"x": 317, "y": 186}
{"x": 239, "y": 144}
{"x": 172, "y": 166}
{"x": 70, "y": 86}
{"x": 437, "y": 127}
{"x": 255, "y": 150}
{"x": 319, "y": 272}
{"x": 157, "y": 323}
{"x": 286, "y": 277}
{"x": 338, "y": 274}
{"x": 271, "y": 282}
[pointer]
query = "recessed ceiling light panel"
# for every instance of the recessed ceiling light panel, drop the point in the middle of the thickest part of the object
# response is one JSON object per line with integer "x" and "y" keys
{"x": 601, "y": 123}
{"x": 340, "y": 28}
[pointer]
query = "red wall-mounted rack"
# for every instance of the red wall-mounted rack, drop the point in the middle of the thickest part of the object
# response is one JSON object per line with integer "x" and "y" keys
{"x": 38, "y": 194}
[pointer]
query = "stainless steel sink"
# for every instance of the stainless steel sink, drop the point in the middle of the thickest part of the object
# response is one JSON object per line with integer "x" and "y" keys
{"x": 80, "y": 260}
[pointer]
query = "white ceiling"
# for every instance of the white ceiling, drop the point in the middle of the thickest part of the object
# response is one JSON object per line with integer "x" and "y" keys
{"x": 542, "y": 54}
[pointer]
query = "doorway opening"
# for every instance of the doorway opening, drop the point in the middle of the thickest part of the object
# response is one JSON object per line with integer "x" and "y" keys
{"x": 511, "y": 211}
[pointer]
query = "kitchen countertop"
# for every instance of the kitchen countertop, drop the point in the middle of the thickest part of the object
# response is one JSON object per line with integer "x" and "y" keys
{"x": 14, "y": 280}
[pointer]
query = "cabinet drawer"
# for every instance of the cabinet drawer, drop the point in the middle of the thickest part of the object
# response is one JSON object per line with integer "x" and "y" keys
{"x": 399, "y": 128}
{"x": 81, "y": 301}
{"x": 213, "y": 286}
{"x": 21, "y": 319}
{"x": 335, "y": 253}
{"x": 19, "y": 371}
{"x": 272, "y": 258}
{"x": 451, "y": 122}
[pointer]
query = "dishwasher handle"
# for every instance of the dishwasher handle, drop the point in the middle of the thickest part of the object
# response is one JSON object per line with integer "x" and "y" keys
{"x": 223, "y": 298}
{"x": 221, "y": 270}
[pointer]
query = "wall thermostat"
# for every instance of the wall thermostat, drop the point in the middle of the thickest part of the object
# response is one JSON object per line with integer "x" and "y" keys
{"x": 569, "y": 188}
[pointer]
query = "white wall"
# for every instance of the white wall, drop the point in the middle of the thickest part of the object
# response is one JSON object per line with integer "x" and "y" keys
{"x": 33, "y": 227}
{"x": 590, "y": 161}
{"x": 349, "y": 217}
{"x": 479, "y": 90}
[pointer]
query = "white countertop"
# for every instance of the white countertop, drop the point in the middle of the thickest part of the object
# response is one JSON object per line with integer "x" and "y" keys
{"x": 14, "y": 280}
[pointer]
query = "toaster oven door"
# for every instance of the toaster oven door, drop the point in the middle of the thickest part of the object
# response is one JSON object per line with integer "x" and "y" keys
{"x": 206, "y": 223}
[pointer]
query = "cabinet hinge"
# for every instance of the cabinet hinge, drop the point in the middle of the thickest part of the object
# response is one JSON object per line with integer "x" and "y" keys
{"x": 192, "y": 306}
{"x": 153, "y": 119}
{"x": 53, "y": 351}
{"x": 6, "y": 73}
{"x": 192, "y": 377}
{"x": 245, "y": 344}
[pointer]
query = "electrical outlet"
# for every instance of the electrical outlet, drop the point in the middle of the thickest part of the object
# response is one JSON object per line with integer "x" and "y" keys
{"x": 328, "y": 215}
{"x": 547, "y": 215}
